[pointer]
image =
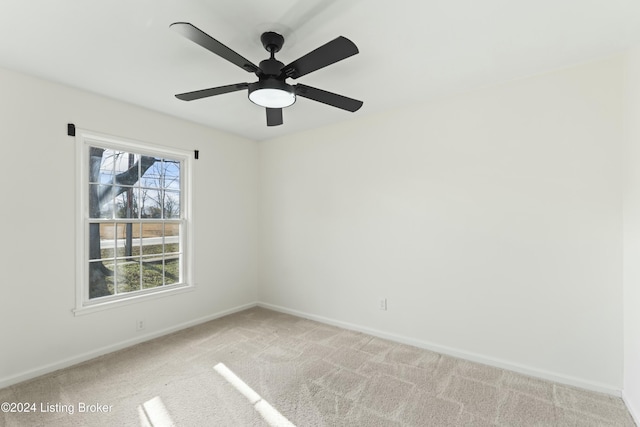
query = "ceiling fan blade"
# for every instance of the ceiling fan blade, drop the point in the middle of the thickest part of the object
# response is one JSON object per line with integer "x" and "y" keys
{"x": 203, "y": 93}
{"x": 206, "y": 41}
{"x": 274, "y": 116}
{"x": 328, "y": 98}
{"x": 327, "y": 54}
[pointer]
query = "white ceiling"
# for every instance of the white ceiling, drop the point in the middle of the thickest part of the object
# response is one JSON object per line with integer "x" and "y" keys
{"x": 410, "y": 50}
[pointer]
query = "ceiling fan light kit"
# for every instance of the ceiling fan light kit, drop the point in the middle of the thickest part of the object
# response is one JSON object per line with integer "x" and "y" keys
{"x": 271, "y": 93}
{"x": 271, "y": 90}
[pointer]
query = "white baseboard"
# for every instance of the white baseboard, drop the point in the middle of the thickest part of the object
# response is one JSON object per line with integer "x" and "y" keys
{"x": 461, "y": 354}
{"x": 633, "y": 410}
{"x": 526, "y": 370}
{"x": 61, "y": 364}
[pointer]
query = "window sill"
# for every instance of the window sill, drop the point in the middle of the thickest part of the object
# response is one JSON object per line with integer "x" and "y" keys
{"x": 134, "y": 299}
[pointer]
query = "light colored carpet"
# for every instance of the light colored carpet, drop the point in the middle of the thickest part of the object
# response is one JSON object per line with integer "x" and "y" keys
{"x": 272, "y": 368}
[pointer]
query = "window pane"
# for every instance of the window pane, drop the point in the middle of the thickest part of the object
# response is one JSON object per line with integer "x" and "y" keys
{"x": 172, "y": 270}
{"x": 171, "y": 173}
{"x": 171, "y": 202}
{"x": 171, "y": 238}
{"x": 100, "y": 279}
{"x": 152, "y": 238}
{"x": 128, "y": 275}
{"x": 128, "y": 240}
{"x": 100, "y": 201}
{"x": 152, "y": 273}
{"x": 153, "y": 176}
{"x": 151, "y": 203}
{"x": 107, "y": 162}
{"x": 126, "y": 162}
{"x": 107, "y": 240}
{"x": 98, "y": 171}
{"x": 126, "y": 202}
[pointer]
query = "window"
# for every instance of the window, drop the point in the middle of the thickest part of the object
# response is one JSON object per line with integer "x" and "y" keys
{"x": 133, "y": 231}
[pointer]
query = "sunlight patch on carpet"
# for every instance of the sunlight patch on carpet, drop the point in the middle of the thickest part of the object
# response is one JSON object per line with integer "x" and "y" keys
{"x": 270, "y": 414}
{"x": 153, "y": 413}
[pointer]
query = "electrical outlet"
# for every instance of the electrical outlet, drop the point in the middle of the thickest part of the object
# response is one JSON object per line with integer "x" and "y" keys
{"x": 139, "y": 325}
{"x": 382, "y": 304}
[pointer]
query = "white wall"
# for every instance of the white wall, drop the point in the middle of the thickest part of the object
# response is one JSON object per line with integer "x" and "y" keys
{"x": 631, "y": 388}
{"x": 38, "y": 330}
{"x": 491, "y": 221}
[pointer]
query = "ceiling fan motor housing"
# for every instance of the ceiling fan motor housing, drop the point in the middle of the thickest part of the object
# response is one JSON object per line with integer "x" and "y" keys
{"x": 270, "y": 67}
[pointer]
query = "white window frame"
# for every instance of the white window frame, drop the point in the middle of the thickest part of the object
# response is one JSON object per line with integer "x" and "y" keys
{"x": 86, "y": 139}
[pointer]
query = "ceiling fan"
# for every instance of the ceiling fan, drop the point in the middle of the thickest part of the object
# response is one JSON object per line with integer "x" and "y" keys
{"x": 271, "y": 90}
